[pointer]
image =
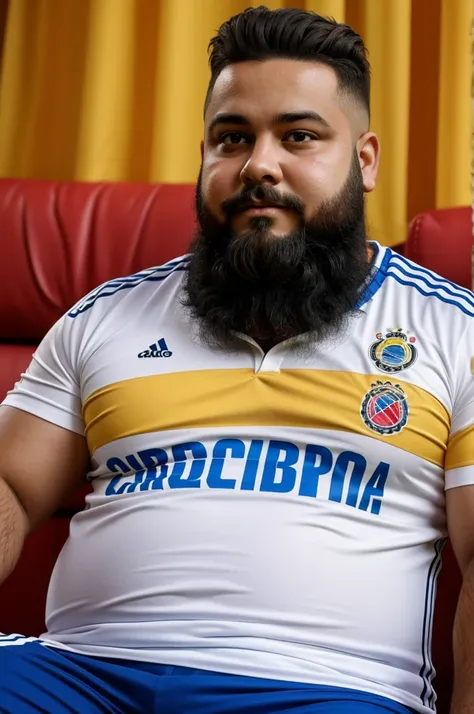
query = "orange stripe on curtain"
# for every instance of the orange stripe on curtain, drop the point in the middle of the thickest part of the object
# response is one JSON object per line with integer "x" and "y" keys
{"x": 424, "y": 106}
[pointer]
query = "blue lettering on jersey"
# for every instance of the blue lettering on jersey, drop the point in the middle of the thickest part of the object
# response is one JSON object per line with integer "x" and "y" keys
{"x": 343, "y": 464}
{"x": 198, "y": 455}
{"x": 251, "y": 465}
{"x": 156, "y": 463}
{"x": 345, "y": 477}
{"x": 375, "y": 487}
{"x": 311, "y": 472}
{"x": 279, "y": 473}
{"x": 234, "y": 448}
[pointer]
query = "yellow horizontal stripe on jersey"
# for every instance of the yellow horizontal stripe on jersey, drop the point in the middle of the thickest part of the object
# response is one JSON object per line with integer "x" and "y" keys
{"x": 461, "y": 449}
{"x": 208, "y": 399}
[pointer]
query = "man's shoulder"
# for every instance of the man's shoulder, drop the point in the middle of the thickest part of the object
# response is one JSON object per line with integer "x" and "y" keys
{"x": 112, "y": 291}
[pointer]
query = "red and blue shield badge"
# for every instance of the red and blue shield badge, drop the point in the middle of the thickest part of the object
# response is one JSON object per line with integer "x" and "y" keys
{"x": 385, "y": 408}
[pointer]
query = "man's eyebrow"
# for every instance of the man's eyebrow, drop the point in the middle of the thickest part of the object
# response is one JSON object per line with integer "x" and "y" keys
{"x": 226, "y": 118}
{"x": 283, "y": 118}
{"x": 291, "y": 117}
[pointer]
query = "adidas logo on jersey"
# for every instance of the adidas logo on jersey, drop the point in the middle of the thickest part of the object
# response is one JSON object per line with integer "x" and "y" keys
{"x": 157, "y": 349}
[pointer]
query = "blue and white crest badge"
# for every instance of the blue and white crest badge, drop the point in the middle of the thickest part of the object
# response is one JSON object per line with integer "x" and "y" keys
{"x": 394, "y": 352}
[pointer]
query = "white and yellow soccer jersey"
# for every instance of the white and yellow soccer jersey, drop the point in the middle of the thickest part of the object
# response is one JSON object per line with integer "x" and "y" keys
{"x": 275, "y": 515}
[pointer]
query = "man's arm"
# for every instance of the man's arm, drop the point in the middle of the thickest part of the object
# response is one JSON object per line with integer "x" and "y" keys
{"x": 460, "y": 512}
{"x": 41, "y": 465}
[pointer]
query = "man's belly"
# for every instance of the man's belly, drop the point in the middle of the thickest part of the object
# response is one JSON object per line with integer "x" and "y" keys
{"x": 184, "y": 570}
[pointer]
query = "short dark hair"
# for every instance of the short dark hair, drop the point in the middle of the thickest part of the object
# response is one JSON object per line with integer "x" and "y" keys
{"x": 259, "y": 34}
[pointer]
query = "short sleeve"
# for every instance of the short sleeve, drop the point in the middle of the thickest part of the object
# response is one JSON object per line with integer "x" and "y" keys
{"x": 50, "y": 386}
{"x": 459, "y": 462}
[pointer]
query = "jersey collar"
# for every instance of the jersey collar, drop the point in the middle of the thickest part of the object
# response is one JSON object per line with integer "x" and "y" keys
{"x": 377, "y": 275}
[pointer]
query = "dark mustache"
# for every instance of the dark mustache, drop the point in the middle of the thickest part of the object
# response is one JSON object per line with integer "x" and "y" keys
{"x": 250, "y": 194}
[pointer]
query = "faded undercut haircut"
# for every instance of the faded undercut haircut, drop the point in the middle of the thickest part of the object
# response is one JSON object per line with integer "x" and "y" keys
{"x": 260, "y": 34}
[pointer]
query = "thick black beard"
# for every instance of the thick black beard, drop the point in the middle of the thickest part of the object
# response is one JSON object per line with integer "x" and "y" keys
{"x": 273, "y": 288}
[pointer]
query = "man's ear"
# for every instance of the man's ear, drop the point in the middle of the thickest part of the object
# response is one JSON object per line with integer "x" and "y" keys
{"x": 202, "y": 150}
{"x": 368, "y": 150}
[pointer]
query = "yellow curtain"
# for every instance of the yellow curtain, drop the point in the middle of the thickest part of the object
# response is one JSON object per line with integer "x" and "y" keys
{"x": 113, "y": 90}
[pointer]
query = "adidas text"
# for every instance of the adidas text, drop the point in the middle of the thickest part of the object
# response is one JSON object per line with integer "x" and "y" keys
{"x": 158, "y": 349}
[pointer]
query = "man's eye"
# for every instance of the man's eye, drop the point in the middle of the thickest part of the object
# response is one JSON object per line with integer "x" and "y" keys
{"x": 233, "y": 137}
{"x": 300, "y": 137}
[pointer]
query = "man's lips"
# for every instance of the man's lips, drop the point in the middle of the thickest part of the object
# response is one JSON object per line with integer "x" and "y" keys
{"x": 261, "y": 207}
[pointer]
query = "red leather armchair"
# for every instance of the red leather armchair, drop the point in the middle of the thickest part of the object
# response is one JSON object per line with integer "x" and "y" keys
{"x": 60, "y": 240}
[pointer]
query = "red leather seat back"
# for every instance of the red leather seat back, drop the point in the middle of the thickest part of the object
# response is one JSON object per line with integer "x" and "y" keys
{"x": 61, "y": 240}
{"x": 442, "y": 241}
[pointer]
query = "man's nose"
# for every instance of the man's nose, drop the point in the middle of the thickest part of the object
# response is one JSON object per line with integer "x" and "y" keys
{"x": 263, "y": 166}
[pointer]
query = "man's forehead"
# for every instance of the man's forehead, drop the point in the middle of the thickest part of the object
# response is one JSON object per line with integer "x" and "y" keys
{"x": 275, "y": 86}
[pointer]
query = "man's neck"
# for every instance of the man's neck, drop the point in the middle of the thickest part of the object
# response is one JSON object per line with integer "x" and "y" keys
{"x": 266, "y": 345}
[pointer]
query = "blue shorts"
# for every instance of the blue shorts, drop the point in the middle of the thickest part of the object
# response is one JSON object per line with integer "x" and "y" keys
{"x": 35, "y": 678}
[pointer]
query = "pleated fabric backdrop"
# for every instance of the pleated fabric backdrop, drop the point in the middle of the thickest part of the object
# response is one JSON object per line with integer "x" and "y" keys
{"x": 113, "y": 90}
